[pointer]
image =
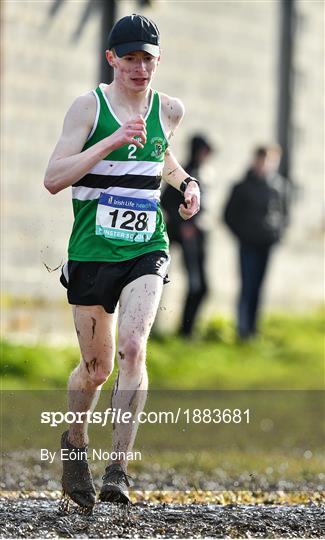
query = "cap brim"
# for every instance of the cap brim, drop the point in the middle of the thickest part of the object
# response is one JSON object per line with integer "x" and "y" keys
{"x": 126, "y": 48}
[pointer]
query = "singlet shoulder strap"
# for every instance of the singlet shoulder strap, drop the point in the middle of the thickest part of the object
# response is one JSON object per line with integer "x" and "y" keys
{"x": 95, "y": 92}
{"x": 160, "y": 117}
{"x": 155, "y": 113}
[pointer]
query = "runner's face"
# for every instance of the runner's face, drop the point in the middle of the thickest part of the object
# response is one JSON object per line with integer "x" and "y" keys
{"x": 135, "y": 70}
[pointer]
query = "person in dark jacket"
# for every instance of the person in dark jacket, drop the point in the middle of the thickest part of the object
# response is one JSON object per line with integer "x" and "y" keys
{"x": 190, "y": 236}
{"x": 257, "y": 214}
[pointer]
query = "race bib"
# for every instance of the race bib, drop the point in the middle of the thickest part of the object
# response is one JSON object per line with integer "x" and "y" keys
{"x": 126, "y": 218}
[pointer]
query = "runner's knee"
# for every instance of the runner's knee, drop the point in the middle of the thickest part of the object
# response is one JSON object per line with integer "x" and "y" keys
{"x": 96, "y": 371}
{"x": 100, "y": 377}
{"x": 130, "y": 353}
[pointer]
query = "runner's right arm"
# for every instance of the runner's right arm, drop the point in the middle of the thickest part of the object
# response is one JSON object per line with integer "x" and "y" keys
{"x": 68, "y": 163}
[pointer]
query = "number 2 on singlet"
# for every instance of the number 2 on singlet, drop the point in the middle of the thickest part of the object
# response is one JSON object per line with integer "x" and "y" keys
{"x": 132, "y": 149}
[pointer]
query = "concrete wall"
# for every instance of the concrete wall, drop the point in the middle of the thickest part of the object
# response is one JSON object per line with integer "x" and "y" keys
{"x": 221, "y": 59}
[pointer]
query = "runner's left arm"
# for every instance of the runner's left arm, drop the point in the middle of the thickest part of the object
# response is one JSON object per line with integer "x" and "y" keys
{"x": 173, "y": 173}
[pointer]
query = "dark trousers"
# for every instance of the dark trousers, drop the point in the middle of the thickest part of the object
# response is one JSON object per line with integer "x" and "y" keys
{"x": 253, "y": 263}
{"x": 194, "y": 260}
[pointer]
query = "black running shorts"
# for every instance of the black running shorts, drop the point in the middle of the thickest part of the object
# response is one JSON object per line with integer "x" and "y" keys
{"x": 101, "y": 283}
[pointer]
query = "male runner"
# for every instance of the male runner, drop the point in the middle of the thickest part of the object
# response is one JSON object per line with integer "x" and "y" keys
{"x": 113, "y": 151}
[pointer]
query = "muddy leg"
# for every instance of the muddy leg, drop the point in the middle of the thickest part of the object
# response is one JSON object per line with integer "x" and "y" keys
{"x": 95, "y": 330}
{"x": 138, "y": 307}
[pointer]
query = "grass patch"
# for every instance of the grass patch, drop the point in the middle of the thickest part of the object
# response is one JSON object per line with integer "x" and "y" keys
{"x": 289, "y": 354}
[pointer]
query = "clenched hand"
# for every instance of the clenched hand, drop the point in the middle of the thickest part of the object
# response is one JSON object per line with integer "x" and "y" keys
{"x": 192, "y": 201}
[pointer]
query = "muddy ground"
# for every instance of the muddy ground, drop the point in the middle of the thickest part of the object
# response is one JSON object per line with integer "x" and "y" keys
{"x": 167, "y": 503}
{"x": 40, "y": 516}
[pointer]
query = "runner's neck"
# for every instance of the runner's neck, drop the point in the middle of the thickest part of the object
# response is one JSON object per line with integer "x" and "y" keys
{"x": 126, "y": 103}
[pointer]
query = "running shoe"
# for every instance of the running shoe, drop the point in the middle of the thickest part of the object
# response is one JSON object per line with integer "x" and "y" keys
{"x": 77, "y": 482}
{"x": 115, "y": 485}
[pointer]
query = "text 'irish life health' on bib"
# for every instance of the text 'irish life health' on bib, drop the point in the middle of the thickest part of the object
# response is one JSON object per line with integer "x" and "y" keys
{"x": 126, "y": 218}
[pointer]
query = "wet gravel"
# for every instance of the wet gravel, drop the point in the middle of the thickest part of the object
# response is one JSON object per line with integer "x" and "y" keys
{"x": 32, "y": 517}
{"x": 30, "y": 505}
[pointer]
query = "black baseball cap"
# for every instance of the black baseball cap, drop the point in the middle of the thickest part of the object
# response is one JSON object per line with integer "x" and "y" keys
{"x": 134, "y": 33}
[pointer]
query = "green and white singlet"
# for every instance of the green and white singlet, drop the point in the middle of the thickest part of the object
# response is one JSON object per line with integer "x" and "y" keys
{"x": 116, "y": 206}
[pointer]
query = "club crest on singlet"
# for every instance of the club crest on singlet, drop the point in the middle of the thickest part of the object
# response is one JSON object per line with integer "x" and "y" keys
{"x": 159, "y": 146}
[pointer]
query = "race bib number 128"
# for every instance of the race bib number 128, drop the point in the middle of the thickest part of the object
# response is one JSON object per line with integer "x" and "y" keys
{"x": 126, "y": 218}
